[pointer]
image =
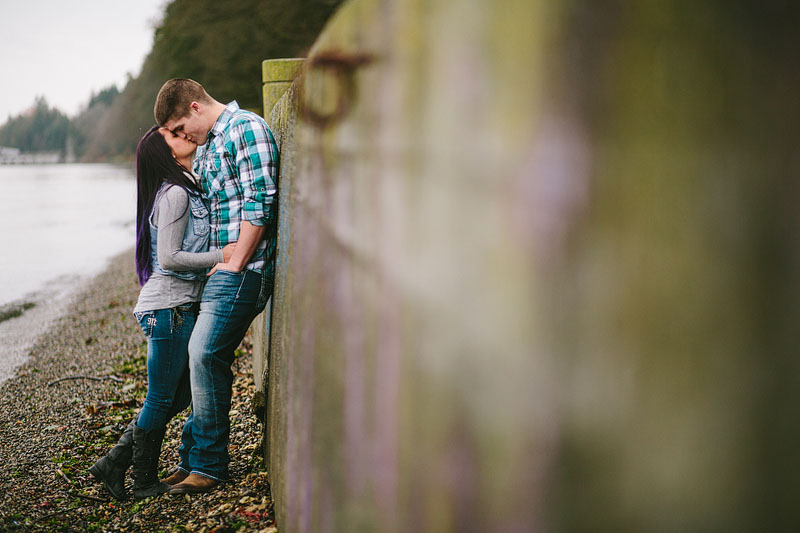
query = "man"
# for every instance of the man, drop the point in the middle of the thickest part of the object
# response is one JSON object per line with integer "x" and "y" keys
{"x": 237, "y": 163}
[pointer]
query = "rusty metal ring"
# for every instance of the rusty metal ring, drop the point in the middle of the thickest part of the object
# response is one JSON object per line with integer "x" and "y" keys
{"x": 343, "y": 65}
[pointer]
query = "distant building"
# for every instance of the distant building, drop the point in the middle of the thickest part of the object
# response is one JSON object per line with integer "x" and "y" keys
{"x": 14, "y": 156}
{"x": 8, "y": 154}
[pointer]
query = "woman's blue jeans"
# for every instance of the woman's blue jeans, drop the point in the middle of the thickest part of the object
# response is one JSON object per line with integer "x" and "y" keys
{"x": 231, "y": 300}
{"x": 168, "y": 391}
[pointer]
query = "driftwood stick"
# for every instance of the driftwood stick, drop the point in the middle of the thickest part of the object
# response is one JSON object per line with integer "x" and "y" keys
{"x": 112, "y": 378}
{"x": 62, "y": 474}
{"x": 68, "y": 509}
{"x": 87, "y": 497}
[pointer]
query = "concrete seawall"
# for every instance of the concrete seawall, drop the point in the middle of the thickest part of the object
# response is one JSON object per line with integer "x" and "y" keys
{"x": 401, "y": 368}
{"x": 536, "y": 270}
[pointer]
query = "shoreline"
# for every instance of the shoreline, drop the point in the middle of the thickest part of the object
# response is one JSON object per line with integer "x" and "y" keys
{"x": 83, "y": 318}
{"x": 52, "y": 430}
{"x": 24, "y": 321}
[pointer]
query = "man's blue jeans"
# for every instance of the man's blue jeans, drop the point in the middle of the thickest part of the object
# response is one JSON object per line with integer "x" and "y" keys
{"x": 231, "y": 300}
{"x": 168, "y": 392}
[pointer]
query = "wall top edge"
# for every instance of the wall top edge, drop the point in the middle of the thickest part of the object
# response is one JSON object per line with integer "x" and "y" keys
{"x": 273, "y": 70}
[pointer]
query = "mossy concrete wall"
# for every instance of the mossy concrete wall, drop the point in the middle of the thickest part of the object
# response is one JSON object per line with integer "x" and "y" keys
{"x": 277, "y": 76}
{"x": 538, "y": 270}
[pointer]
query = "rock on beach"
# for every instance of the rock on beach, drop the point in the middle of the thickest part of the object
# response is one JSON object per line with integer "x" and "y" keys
{"x": 84, "y": 380}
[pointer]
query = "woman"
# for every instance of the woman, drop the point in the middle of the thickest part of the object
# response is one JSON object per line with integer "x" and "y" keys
{"x": 172, "y": 258}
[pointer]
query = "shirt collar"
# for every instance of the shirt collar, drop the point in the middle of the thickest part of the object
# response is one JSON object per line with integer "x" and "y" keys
{"x": 223, "y": 119}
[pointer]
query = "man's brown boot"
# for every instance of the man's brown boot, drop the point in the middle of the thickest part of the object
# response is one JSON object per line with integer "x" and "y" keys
{"x": 175, "y": 477}
{"x": 194, "y": 484}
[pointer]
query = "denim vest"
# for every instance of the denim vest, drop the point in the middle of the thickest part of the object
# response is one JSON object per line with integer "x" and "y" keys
{"x": 195, "y": 237}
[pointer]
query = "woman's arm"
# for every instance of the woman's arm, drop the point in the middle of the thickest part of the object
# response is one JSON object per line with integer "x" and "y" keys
{"x": 172, "y": 215}
{"x": 249, "y": 237}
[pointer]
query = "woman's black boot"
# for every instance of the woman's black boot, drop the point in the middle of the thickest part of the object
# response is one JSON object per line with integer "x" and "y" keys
{"x": 111, "y": 468}
{"x": 146, "y": 451}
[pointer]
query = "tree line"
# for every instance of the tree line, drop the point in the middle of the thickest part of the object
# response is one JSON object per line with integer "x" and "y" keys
{"x": 219, "y": 44}
{"x": 42, "y": 128}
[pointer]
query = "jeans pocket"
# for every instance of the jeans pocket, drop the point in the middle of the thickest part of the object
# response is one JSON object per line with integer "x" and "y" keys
{"x": 182, "y": 314}
{"x": 147, "y": 321}
{"x": 230, "y": 273}
{"x": 224, "y": 285}
{"x": 267, "y": 286}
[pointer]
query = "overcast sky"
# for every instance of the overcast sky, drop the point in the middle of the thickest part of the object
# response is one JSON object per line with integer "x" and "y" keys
{"x": 64, "y": 50}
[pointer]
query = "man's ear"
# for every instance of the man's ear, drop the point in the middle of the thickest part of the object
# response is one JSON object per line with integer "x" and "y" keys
{"x": 195, "y": 106}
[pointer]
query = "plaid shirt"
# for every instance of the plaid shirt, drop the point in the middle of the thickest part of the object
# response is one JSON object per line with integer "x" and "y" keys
{"x": 238, "y": 167}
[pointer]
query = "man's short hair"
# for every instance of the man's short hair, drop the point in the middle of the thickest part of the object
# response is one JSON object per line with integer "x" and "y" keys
{"x": 175, "y": 97}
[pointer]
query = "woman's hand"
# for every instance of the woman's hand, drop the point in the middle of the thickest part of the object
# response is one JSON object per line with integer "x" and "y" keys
{"x": 227, "y": 251}
{"x": 223, "y": 266}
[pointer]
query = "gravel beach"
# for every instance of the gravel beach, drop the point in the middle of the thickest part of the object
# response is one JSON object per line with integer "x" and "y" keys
{"x": 52, "y": 429}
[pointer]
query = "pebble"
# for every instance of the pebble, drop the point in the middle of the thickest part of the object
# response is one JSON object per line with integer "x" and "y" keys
{"x": 51, "y": 435}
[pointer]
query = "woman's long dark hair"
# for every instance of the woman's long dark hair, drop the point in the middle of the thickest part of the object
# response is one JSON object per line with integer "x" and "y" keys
{"x": 155, "y": 165}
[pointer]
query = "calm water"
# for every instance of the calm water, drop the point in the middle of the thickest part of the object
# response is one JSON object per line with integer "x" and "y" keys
{"x": 60, "y": 224}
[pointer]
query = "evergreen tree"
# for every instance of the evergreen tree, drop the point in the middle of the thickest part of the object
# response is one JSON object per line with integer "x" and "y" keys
{"x": 41, "y": 128}
{"x": 219, "y": 44}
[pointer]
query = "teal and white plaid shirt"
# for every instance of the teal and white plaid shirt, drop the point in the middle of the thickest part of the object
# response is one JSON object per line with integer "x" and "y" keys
{"x": 238, "y": 169}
